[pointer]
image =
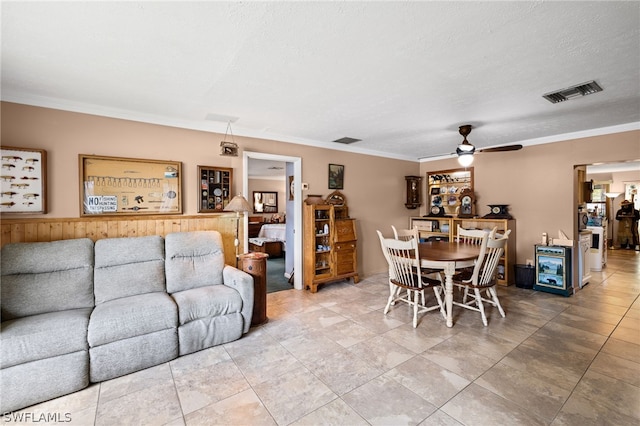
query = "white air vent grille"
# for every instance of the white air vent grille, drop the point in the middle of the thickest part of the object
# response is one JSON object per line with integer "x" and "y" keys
{"x": 347, "y": 140}
{"x": 576, "y": 91}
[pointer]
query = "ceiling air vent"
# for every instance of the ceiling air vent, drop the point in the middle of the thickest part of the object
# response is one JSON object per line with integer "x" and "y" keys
{"x": 347, "y": 140}
{"x": 576, "y": 91}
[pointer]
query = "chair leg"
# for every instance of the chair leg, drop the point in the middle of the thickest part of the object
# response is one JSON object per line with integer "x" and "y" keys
{"x": 480, "y": 306}
{"x": 392, "y": 290}
{"x": 393, "y": 294}
{"x": 416, "y": 295}
{"x": 436, "y": 291}
{"x": 494, "y": 297}
{"x": 392, "y": 299}
{"x": 466, "y": 294}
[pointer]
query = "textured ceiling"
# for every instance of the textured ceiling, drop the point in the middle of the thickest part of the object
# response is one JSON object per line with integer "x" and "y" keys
{"x": 401, "y": 76}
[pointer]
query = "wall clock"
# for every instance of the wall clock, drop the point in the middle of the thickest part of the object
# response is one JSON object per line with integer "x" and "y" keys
{"x": 414, "y": 196}
{"x": 498, "y": 211}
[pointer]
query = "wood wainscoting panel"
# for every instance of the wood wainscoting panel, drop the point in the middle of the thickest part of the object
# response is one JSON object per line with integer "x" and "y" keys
{"x": 54, "y": 229}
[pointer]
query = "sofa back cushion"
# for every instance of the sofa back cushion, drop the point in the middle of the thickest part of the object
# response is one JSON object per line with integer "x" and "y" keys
{"x": 128, "y": 266}
{"x": 46, "y": 277}
{"x": 194, "y": 259}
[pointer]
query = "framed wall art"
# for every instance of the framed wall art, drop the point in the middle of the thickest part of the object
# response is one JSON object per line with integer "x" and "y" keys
{"x": 129, "y": 186}
{"x": 23, "y": 180}
{"x": 228, "y": 149}
{"x": 292, "y": 188}
{"x": 336, "y": 176}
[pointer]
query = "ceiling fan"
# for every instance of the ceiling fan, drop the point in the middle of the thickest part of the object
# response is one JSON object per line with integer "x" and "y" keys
{"x": 465, "y": 150}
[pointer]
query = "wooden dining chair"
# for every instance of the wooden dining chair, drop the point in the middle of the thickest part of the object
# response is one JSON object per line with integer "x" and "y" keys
{"x": 408, "y": 234}
{"x": 473, "y": 236}
{"x": 405, "y": 274}
{"x": 405, "y": 234}
{"x": 503, "y": 235}
{"x": 483, "y": 278}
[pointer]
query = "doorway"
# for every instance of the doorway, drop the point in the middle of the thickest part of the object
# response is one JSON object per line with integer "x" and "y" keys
{"x": 619, "y": 182}
{"x": 293, "y": 253}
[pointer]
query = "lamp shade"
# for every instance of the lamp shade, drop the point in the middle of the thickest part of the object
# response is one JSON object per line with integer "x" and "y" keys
{"x": 465, "y": 160}
{"x": 238, "y": 204}
{"x": 612, "y": 194}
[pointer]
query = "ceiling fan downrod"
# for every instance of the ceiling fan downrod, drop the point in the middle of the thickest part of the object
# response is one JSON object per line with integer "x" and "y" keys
{"x": 465, "y": 147}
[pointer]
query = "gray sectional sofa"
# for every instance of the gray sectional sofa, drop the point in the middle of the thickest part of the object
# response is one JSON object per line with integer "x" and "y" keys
{"x": 75, "y": 312}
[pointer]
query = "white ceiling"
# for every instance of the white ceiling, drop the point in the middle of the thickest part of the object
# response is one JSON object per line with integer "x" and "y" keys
{"x": 401, "y": 76}
{"x": 266, "y": 169}
{"x": 628, "y": 166}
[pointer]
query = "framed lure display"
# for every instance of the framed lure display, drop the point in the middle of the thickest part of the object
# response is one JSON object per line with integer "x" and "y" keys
{"x": 129, "y": 186}
{"x": 23, "y": 180}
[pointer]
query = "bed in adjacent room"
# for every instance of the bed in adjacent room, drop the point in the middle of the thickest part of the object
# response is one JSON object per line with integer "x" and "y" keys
{"x": 270, "y": 240}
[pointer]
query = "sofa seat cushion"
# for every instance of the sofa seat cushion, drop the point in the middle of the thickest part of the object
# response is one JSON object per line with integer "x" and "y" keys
{"x": 43, "y": 336}
{"x": 208, "y": 301}
{"x": 131, "y": 316}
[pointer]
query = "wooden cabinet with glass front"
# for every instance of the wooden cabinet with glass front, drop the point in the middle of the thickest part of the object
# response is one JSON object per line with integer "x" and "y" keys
{"x": 330, "y": 251}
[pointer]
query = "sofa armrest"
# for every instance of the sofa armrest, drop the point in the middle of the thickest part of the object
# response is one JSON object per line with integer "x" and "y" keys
{"x": 243, "y": 283}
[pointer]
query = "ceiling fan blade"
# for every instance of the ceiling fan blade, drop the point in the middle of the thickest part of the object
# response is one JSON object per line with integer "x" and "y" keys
{"x": 437, "y": 155}
{"x": 502, "y": 148}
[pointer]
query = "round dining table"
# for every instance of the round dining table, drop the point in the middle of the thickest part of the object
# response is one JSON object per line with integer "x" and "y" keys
{"x": 448, "y": 257}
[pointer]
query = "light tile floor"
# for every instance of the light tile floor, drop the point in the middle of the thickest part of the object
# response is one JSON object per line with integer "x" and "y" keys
{"x": 333, "y": 358}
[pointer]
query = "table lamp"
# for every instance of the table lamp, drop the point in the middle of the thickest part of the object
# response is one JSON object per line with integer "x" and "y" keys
{"x": 237, "y": 204}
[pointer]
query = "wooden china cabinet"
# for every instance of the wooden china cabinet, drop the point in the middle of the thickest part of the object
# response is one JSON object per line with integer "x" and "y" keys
{"x": 330, "y": 249}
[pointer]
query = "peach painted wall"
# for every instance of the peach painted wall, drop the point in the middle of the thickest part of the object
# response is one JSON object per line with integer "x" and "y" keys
{"x": 538, "y": 182}
{"x": 374, "y": 186}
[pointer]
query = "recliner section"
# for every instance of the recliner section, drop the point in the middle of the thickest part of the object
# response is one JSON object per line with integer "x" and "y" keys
{"x": 133, "y": 313}
{"x": 208, "y": 313}
{"x": 46, "y": 301}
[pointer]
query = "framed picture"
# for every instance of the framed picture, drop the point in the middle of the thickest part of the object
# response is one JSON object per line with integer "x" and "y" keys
{"x": 129, "y": 186}
{"x": 292, "y": 188}
{"x": 23, "y": 180}
{"x": 228, "y": 149}
{"x": 336, "y": 176}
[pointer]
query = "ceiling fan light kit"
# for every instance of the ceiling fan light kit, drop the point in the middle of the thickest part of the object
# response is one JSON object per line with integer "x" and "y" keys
{"x": 465, "y": 150}
{"x": 465, "y": 159}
